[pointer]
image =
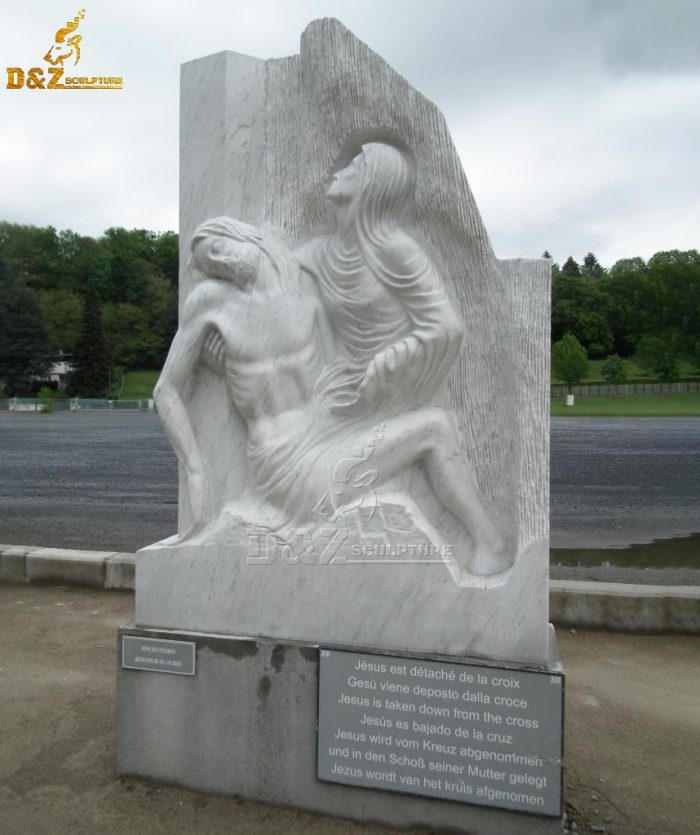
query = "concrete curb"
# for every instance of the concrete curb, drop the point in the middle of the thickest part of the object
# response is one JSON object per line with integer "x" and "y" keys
{"x": 63, "y": 567}
{"x": 625, "y": 607}
{"x": 622, "y": 607}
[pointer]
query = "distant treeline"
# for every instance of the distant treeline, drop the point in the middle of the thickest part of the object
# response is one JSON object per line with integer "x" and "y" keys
{"x": 46, "y": 277}
{"x": 612, "y": 311}
{"x": 57, "y": 287}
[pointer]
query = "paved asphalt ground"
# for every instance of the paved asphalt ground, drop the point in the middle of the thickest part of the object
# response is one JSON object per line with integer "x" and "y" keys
{"x": 632, "y": 733}
{"x": 94, "y": 480}
{"x": 617, "y": 481}
{"x": 108, "y": 481}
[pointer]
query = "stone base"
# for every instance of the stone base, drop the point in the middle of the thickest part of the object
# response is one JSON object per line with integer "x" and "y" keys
{"x": 214, "y": 587}
{"x": 245, "y": 725}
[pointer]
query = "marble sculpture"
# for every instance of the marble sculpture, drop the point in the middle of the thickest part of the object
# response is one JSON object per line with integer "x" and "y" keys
{"x": 317, "y": 349}
{"x": 357, "y": 391}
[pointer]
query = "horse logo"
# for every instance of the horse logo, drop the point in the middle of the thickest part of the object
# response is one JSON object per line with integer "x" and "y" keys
{"x": 66, "y": 44}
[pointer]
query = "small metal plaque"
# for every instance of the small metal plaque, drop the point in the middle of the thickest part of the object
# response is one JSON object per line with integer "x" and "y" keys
{"x": 158, "y": 655}
{"x": 472, "y": 733}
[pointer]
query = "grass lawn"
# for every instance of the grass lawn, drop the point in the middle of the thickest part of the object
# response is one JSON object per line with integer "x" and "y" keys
{"x": 138, "y": 384}
{"x": 634, "y": 372}
{"x": 633, "y": 405}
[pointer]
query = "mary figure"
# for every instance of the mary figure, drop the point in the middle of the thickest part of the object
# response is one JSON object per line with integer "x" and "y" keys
{"x": 397, "y": 332}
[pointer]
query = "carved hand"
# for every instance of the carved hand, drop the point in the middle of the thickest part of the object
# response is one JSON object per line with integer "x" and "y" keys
{"x": 386, "y": 372}
{"x": 214, "y": 351}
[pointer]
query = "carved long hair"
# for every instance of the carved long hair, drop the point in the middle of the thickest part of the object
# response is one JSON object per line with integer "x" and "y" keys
{"x": 380, "y": 212}
{"x": 380, "y": 215}
{"x": 276, "y": 253}
{"x": 386, "y": 191}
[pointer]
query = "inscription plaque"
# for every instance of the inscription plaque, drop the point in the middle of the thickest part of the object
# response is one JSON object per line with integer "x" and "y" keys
{"x": 159, "y": 655}
{"x": 473, "y": 733}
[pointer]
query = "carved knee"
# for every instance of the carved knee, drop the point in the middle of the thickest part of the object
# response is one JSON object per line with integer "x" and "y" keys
{"x": 442, "y": 423}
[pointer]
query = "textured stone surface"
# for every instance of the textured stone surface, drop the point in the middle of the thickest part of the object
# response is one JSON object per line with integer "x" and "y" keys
{"x": 338, "y": 88}
{"x": 625, "y": 607}
{"x": 258, "y": 139}
{"x": 120, "y": 571}
{"x": 80, "y": 568}
{"x": 246, "y": 725}
{"x": 409, "y": 607}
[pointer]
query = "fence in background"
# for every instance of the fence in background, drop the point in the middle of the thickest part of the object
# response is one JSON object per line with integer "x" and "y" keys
{"x": 612, "y": 390}
{"x": 75, "y": 404}
{"x": 33, "y": 404}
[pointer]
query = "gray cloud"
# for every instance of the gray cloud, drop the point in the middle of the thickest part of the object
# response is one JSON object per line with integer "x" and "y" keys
{"x": 577, "y": 122}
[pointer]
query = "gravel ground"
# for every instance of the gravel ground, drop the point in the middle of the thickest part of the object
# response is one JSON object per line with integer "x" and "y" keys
{"x": 108, "y": 481}
{"x": 632, "y": 733}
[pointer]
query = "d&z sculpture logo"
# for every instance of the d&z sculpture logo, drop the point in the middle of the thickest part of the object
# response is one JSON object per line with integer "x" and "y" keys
{"x": 65, "y": 50}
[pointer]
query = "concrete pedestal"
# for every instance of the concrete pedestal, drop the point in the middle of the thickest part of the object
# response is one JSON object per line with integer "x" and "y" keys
{"x": 246, "y": 725}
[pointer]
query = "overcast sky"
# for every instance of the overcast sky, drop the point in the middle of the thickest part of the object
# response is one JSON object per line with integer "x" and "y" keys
{"x": 577, "y": 121}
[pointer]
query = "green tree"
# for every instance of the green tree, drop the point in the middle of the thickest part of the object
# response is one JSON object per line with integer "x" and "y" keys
{"x": 167, "y": 256}
{"x": 90, "y": 377}
{"x": 591, "y": 267}
{"x": 580, "y": 306}
{"x": 32, "y": 255}
{"x": 569, "y": 360}
{"x": 62, "y": 312}
{"x": 160, "y": 301}
{"x": 571, "y": 268}
{"x": 694, "y": 354}
{"x": 25, "y": 349}
{"x": 613, "y": 370}
{"x": 139, "y": 335}
{"x": 131, "y": 340}
{"x": 555, "y": 267}
{"x": 133, "y": 267}
{"x": 633, "y": 303}
{"x": 667, "y": 369}
{"x": 131, "y": 253}
{"x": 46, "y": 399}
{"x": 101, "y": 274}
{"x": 676, "y": 277}
{"x": 658, "y": 356}
{"x": 650, "y": 352}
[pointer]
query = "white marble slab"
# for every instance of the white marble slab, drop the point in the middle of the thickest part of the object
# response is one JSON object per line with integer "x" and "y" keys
{"x": 350, "y": 176}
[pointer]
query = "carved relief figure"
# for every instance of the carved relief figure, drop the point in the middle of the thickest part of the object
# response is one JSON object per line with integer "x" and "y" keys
{"x": 313, "y": 358}
{"x": 249, "y": 313}
{"x": 397, "y": 331}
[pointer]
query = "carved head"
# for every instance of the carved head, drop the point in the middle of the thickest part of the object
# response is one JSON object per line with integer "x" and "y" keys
{"x": 66, "y": 43}
{"x": 346, "y": 184}
{"x": 378, "y": 183}
{"x": 229, "y": 249}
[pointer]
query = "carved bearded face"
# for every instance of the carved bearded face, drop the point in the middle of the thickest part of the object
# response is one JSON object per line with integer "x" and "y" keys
{"x": 226, "y": 258}
{"x": 346, "y": 184}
